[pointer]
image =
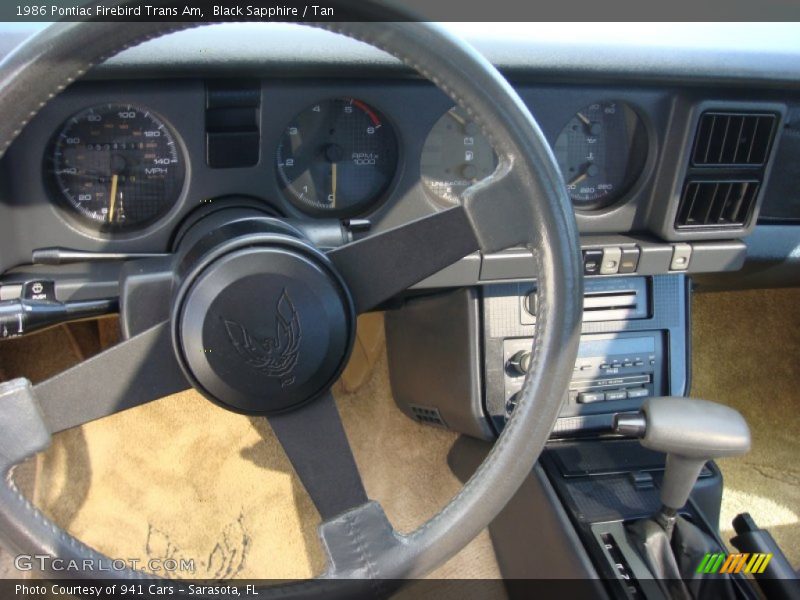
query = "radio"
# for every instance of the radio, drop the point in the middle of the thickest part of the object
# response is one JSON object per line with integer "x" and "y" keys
{"x": 612, "y": 372}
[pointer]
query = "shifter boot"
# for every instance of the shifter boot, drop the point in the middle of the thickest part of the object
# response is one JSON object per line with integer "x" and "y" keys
{"x": 690, "y": 545}
{"x": 674, "y": 564}
{"x": 650, "y": 540}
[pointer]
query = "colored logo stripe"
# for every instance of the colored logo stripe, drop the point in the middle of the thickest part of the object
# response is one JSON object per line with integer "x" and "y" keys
{"x": 734, "y": 563}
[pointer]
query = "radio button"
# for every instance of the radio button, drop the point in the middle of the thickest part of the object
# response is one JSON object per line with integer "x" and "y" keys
{"x": 617, "y": 395}
{"x": 587, "y": 397}
{"x": 638, "y": 393}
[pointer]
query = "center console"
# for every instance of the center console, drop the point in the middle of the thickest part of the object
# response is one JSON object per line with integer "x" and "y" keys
{"x": 459, "y": 359}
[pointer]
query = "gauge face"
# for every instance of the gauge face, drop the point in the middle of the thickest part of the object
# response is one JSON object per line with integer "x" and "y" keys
{"x": 601, "y": 153}
{"x": 117, "y": 166}
{"x": 455, "y": 155}
{"x": 337, "y": 157}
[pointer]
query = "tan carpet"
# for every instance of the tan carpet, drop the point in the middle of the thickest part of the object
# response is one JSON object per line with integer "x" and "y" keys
{"x": 183, "y": 478}
{"x": 746, "y": 349}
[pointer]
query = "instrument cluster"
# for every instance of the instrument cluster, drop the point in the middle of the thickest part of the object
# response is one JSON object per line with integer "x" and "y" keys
{"x": 120, "y": 167}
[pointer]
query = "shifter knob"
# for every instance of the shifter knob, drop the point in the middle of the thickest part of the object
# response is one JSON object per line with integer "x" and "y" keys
{"x": 690, "y": 432}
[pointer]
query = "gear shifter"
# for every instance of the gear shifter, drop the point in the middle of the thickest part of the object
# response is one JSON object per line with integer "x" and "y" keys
{"x": 690, "y": 432}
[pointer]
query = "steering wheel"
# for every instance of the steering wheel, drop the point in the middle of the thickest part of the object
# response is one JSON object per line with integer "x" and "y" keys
{"x": 188, "y": 319}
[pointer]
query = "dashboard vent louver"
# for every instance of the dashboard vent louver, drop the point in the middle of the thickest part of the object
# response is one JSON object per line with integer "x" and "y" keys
{"x": 711, "y": 204}
{"x": 727, "y": 162}
{"x": 726, "y": 139}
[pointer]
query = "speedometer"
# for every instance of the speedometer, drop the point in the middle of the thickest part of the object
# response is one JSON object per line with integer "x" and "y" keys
{"x": 116, "y": 167}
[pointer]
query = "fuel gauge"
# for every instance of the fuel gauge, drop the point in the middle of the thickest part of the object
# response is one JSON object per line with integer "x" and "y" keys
{"x": 455, "y": 155}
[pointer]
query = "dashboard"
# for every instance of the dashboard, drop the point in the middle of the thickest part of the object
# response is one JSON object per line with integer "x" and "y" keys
{"x": 660, "y": 165}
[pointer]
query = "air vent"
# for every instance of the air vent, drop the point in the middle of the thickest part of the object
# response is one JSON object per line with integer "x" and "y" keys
{"x": 711, "y": 204}
{"x": 427, "y": 415}
{"x": 733, "y": 139}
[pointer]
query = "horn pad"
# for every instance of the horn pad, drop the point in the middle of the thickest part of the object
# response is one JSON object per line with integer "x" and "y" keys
{"x": 263, "y": 329}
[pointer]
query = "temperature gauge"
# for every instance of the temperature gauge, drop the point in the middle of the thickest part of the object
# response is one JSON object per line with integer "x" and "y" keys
{"x": 601, "y": 152}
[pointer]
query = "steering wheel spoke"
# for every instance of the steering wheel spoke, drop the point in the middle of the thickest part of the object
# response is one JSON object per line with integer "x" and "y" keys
{"x": 383, "y": 265}
{"x": 315, "y": 442}
{"x": 489, "y": 202}
{"x": 351, "y": 538}
{"x": 134, "y": 372}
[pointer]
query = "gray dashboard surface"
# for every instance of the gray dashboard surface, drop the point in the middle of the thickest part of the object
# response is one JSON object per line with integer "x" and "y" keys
{"x": 746, "y": 53}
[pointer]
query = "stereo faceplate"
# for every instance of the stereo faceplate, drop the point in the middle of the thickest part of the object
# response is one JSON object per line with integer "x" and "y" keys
{"x": 634, "y": 345}
{"x": 610, "y": 368}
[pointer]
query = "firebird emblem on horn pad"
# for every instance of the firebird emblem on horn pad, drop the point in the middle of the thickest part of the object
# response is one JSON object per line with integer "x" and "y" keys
{"x": 276, "y": 357}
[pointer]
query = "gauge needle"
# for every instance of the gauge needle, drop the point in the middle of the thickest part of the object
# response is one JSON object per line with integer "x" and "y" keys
{"x": 589, "y": 171}
{"x": 584, "y": 118}
{"x": 579, "y": 178}
{"x": 457, "y": 118}
{"x": 333, "y": 184}
{"x": 112, "y": 201}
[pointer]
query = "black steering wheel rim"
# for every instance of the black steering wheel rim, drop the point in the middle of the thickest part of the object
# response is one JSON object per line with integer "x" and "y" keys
{"x": 523, "y": 203}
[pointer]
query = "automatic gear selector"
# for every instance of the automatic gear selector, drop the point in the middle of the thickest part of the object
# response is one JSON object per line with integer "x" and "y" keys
{"x": 690, "y": 432}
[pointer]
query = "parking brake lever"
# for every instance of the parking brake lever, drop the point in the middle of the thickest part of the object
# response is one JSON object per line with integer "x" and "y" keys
{"x": 690, "y": 432}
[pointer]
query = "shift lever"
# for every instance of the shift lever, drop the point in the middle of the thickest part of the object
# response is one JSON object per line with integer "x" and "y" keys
{"x": 690, "y": 432}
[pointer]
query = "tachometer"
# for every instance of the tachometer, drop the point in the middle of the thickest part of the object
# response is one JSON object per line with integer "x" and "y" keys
{"x": 337, "y": 157}
{"x": 117, "y": 166}
{"x": 602, "y": 152}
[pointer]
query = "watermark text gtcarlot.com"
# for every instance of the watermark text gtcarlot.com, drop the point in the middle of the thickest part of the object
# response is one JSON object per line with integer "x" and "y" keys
{"x": 43, "y": 562}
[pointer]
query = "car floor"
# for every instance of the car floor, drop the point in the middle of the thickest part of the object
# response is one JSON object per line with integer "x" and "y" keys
{"x": 184, "y": 478}
{"x": 746, "y": 354}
